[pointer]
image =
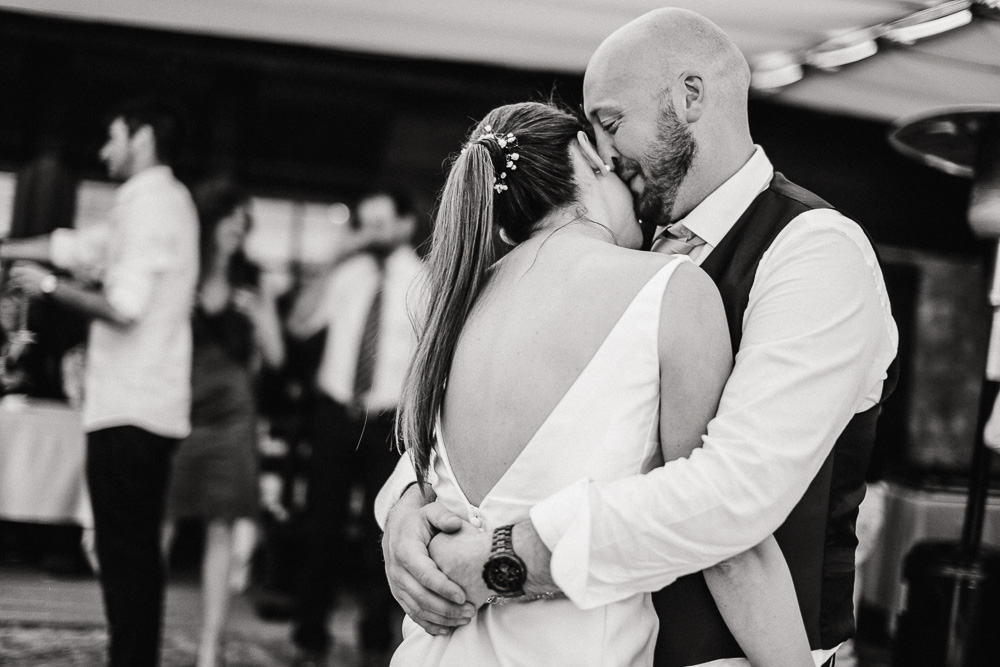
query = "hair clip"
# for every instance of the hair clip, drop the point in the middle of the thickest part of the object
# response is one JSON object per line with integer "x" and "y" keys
{"x": 508, "y": 142}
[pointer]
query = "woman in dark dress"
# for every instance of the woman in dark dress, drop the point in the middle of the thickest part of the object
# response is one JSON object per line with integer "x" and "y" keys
{"x": 214, "y": 475}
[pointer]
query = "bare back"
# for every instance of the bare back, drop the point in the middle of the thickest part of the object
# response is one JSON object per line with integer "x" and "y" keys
{"x": 561, "y": 377}
{"x": 541, "y": 319}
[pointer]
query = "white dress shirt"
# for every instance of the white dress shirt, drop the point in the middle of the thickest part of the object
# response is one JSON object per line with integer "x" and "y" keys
{"x": 147, "y": 259}
{"x": 349, "y": 294}
{"x": 818, "y": 337}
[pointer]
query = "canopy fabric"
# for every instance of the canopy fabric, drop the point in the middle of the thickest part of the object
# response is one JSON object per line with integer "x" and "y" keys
{"x": 960, "y": 67}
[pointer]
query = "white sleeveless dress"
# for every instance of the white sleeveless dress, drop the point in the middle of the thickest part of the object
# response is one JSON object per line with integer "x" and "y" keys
{"x": 605, "y": 427}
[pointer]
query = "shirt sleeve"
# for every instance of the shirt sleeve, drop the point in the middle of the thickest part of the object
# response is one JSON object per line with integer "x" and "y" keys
{"x": 80, "y": 249}
{"x": 402, "y": 476}
{"x": 147, "y": 248}
{"x": 817, "y": 340}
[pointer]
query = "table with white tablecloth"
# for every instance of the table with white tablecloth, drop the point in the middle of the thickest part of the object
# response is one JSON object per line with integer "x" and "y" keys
{"x": 913, "y": 515}
{"x": 42, "y": 457}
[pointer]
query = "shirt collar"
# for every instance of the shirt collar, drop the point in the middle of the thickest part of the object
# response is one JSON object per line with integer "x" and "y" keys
{"x": 718, "y": 212}
{"x": 145, "y": 179}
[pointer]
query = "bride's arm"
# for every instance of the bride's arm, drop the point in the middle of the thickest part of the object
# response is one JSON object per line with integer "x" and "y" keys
{"x": 696, "y": 358}
{"x": 755, "y": 595}
{"x": 753, "y": 590}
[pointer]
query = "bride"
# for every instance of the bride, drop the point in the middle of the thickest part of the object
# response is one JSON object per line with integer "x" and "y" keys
{"x": 552, "y": 350}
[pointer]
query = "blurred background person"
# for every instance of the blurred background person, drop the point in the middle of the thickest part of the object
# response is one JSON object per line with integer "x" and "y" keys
{"x": 235, "y": 327}
{"x": 362, "y": 302}
{"x": 138, "y": 385}
{"x": 44, "y": 200}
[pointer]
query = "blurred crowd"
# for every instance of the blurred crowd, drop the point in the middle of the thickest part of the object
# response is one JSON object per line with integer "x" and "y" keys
{"x": 212, "y": 393}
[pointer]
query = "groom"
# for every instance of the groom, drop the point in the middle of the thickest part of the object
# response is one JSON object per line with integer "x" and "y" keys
{"x": 815, "y": 348}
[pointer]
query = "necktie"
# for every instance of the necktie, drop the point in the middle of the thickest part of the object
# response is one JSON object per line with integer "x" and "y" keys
{"x": 677, "y": 239}
{"x": 364, "y": 373}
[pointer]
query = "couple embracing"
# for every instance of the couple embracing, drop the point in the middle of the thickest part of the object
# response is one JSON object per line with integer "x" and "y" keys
{"x": 625, "y": 457}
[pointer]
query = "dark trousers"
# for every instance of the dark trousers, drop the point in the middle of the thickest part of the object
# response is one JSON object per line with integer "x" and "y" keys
{"x": 348, "y": 449}
{"x": 127, "y": 473}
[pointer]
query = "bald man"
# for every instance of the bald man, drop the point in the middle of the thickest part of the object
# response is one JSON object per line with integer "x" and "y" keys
{"x": 814, "y": 345}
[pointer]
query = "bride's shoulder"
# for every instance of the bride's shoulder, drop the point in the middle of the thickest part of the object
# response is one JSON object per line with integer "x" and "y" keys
{"x": 617, "y": 263}
{"x": 690, "y": 286}
{"x": 692, "y": 315}
{"x": 688, "y": 289}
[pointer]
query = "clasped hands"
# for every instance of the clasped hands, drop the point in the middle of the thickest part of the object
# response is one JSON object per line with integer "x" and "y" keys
{"x": 434, "y": 564}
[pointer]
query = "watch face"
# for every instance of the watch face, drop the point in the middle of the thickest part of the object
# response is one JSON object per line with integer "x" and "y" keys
{"x": 48, "y": 284}
{"x": 504, "y": 573}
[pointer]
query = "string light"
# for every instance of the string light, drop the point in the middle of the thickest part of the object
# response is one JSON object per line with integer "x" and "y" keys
{"x": 772, "y": 71}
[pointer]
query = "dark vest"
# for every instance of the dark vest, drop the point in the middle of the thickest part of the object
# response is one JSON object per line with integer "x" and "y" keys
{"x": 818, "y": 538}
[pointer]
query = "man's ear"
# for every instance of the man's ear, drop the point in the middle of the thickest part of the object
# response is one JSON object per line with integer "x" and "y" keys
{"x": 694, "y": 96}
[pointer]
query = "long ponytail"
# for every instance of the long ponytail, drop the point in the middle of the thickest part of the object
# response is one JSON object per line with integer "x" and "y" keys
{"x": 463, "y": 251}
{"x": 465, "y": 244}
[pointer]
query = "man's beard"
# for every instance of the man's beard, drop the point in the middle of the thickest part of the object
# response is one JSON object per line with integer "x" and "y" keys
{"x": 666, "y": 165}
{"x": 119, "y": 170}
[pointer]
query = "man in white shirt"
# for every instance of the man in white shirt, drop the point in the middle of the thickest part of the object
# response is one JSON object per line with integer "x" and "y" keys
{"x": 814, "y": 343}
{"x": 362, "y": 303}
{"x": 138, "y": 384}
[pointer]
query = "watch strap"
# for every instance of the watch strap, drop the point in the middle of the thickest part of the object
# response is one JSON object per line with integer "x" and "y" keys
{"x": 503, "y": 542}
{"x": 535, "y": 597}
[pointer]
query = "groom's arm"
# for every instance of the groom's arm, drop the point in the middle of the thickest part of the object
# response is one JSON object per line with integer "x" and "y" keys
{"x": 402, "y": 478}
{"x": 818, "y": 337}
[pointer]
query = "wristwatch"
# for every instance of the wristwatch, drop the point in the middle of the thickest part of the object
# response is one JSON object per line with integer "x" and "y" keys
{"x": 48, "y": 284}
{"x": 504, "y": 571}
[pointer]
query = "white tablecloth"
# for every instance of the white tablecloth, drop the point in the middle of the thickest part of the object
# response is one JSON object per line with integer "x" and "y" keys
{"x": 42, "y": 455}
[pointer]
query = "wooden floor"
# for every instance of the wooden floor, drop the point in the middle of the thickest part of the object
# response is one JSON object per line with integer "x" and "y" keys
{"x": 38, "y": 609}
{"x": 59, "y": 622}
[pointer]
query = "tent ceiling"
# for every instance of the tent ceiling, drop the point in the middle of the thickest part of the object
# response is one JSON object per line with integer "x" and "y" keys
{"x": 959, "y": 67}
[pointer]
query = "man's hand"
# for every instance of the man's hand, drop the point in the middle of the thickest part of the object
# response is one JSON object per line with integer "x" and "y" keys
{"x": 434, "y": 602}
{"x": 26, "y": 277}
{"x": 461, "y": 556}
{"x": 245, "y": 301}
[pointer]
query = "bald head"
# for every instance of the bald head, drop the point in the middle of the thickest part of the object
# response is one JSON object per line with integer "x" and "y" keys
{"x": 648, "y": 54}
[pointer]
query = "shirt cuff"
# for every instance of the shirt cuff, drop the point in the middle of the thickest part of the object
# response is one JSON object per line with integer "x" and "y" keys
{"x": 129, "y": 301}
{"x": 563, "y": 521}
